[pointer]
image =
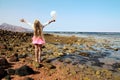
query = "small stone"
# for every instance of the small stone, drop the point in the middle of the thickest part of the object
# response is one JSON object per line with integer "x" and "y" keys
{"x": 37, "y": 65}
{"x": 68, "y": 60}
{"x": 84, "y": 54}
{"x": 22, "y": 55}
{"x": 98, "y": 72}
{"x": 116, "y": 49}
{"x": 81, "y": 66}
{"x": 10, "y": 49}
{"x": 60, "y": 54}
{"x": 50, "y": 66}
{"x": 14, "y": 58}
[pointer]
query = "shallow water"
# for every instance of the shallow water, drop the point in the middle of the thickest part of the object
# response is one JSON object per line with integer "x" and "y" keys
{"x": 113, "y": 44}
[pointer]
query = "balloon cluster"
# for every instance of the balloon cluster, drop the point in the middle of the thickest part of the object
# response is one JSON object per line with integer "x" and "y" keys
{"x": 53, "y": 15}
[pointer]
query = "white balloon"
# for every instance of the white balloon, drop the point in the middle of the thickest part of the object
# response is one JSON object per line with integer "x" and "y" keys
{"x": 53, "y": 15}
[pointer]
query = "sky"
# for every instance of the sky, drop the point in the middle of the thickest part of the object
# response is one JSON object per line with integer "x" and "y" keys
{"x": 72, "y": 15}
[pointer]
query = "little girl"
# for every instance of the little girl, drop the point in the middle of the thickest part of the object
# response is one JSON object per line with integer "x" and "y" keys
{"x": 38, "y": 38}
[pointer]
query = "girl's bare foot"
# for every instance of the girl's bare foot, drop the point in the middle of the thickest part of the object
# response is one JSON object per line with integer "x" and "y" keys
{"x": 39, "y": 60}
{"x": 36, "y": 60}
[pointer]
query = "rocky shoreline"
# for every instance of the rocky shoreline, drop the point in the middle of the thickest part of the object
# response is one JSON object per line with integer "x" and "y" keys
{"x": 63, "y": 58}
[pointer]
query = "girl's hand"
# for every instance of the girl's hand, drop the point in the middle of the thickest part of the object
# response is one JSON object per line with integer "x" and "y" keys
{"x": 22, "y": 20}
{"x": 51, "y": 21}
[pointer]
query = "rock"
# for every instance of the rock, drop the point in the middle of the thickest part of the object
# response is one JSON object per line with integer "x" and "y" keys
{"x": 8, "y": 77}
{"x": 22, "y": 56}
{"x": 84, "y": 54}
{"x": 116, "y": 65}
{"x": 67, "y": 60}
{"x": 49, "y": 66}
{"x": 24, "y": 70}
{"x": 28, "y": 78}
{"x": 98, "y": 72}
{"x": 2, "y": 46}
{"x": 96, "y": 62}
{"x": 37, "y": 65}
{"x": 3, "y": 61}
{"x": 14, "y": 58}
{"x": 60, "y": 59}
{"x": 81, "y": 66}
{"x": 10, "y": 49}
{"x": 116, "y": 49}
{"x": 3, "y": 73}
{"x": 60, "y": 54}
{"x": 107, "y": 66}
{"x": 73, "y": 72}
{"x": 86, "y": 78}
{"x": 11, "y": 71}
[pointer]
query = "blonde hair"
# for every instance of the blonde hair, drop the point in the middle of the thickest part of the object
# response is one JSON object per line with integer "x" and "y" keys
{"x": 38, "y": 29}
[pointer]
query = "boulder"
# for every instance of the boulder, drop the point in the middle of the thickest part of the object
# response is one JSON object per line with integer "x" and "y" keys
{"x": 3, "y": 73}
{"x": 24, "y": 70}
{"x": 11, "y": 71}
{"x": 8, "y": 77}
{"x": 28, "y": 78}
{"x": 3, "y": 61}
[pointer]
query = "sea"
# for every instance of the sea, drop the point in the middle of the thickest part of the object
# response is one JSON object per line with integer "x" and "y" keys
{"x": 113, "y": 37}
{"x": 87, "y": 34}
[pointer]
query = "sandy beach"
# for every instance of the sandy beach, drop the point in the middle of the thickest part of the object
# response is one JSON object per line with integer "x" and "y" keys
{"x": 63, "y": 58}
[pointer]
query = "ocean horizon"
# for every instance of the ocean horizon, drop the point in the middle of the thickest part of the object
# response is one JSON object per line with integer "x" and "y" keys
{"x": 86, "y": 34}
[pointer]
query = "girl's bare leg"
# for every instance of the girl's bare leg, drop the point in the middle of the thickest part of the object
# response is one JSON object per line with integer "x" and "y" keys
{"x": 40, "y": 52}
{"x": 36, "y": 53}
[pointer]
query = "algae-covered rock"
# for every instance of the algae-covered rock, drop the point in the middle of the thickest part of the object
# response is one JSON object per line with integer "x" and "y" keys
{"x": 14, "y": 58}
{"x": 24, "y": 70}
{"x": 28, "y": 78}
{"x": 11, "y": 71}
{"x": 49, "y": 66}
{"x": 8, "y": 77}
{"x": 22, "y": 55}
{"x": 3, "y": 73}
{"x": 37, "y": 64}
{"x": 67, "y": 60}
{"x": 3, "y": 61}
{"x": 84, "y": 54}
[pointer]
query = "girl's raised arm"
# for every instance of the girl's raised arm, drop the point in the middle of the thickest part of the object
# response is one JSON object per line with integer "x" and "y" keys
{"x": 24, "y": 21}
{"x": 48, "y": 22}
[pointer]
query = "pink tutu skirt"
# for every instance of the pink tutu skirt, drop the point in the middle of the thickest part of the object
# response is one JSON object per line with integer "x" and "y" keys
{"x": 37, "y": 40}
